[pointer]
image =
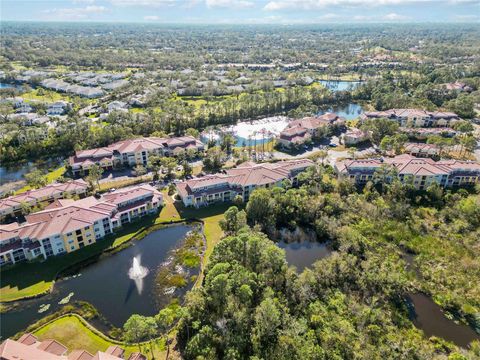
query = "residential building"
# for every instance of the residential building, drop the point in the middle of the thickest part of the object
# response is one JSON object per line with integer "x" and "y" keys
{"x": 355, "y": 136}
{"x": 457, "y": 86}
{"x": 424, "y": 133}
{"x": 414, "y": 117}
{"x": 422, "y": 150}
{"x": 29, "y": 347}
{"x": 132, "y": 152}
{"x": 12, "y": 205}
{"x": 116, "y": 105}
{"x": 302, "y": 130}
{"x": 57, "y": 108}
{"x": 241, "y": 180}
{"x": 67, "y": 225}
{"x": 420, "y": 172}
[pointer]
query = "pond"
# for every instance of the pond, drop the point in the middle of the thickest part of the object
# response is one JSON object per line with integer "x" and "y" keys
{"x": 107, "y": 286}
{"x": 14, "y": 173}
{"x": 338, "y": 85}
{"x": 348, "y": 111}
{"x": 304, "y": 254}
{"x": 9, "y": 86}
{"x": 428, "y": 316}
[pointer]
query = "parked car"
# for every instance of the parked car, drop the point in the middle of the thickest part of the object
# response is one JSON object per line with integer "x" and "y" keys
{"x": 332, "y": 145}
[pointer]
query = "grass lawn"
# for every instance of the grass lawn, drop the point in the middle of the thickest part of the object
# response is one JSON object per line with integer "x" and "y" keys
{"x": 51, "y": 177}
{"x": 72, "y": 332}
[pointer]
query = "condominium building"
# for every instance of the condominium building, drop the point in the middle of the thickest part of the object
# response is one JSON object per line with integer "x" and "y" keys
{"x": 422, "y": 150}
{"x": 132, "y": 152}
{"x": 12, "y": 205}
{"x": 29, "y": 347}
{"x": 300, "y": 131}
{"x": 424, "y": 133}
{"x": 420, "y": 172}
{"x": 355, "y": 136}
{"x": 67, "y": 225}
{"x": 414, "y": 117}
{"x": 241, "y": 180}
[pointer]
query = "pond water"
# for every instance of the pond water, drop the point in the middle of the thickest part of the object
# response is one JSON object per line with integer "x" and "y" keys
{"x": 14, "y": 173}
{"x": 336, "y": 85}
{"x": 428, "y": 316}
{"x": 7, "y": 86}
{"x": 304, "y": 254}
{"x": 107, "y": 286}
{"x": 348, "y": 111}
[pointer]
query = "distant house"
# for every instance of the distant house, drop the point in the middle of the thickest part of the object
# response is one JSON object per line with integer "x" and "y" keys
{"x": 23, "y": 107}
{"x": 241, "y": 181}
{"x": 116, "y": 105}
{"x": 457, "y": 86}
{"x": 57, "y": 108}
{"x": 414, "y": 117}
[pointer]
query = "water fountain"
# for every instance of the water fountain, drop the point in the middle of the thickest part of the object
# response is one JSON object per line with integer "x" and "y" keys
{"x": 137, "y": 272}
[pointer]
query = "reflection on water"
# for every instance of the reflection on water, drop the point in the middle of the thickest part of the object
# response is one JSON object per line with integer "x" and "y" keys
{"x": 348, "y": 111}
{"x": 304, "y": 254}
{"x": 335, "y": 85}
{"x": 107, "y": 286}
{"x": 301, "y": 246}
{"x": 428, "y": 316}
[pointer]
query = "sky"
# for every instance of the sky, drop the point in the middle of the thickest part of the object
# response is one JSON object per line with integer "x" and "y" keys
{"x": 242, "y": 11}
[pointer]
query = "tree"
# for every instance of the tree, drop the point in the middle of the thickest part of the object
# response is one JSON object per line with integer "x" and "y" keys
{"x": 140, "y": 170}
{"x": 138, "y": 328}
{"x": 26, "y": 208}
{"x": 169, "y": 164}
{"x": 165, "y": 320}
{"x": 192, "y": 132}
{"x": 36, "y": 179}
{"x": 94, "y": 175}
{"x": 233, "y": 220}
{"x": 380, "y": 128}
{"x": 227, "y": 142}
{"x": 187, "y": 169}
{"x": 260, "y": 209}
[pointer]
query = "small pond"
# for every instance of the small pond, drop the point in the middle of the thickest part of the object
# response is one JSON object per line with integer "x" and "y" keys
{"x": 15, "y": 172}
{"x": 9, "y": 86}
{"x": 107, "y": 286}
{"x": 348, "y": 111}
{"x": 302, "y": 248}
{"x": 428, "y": 316}
{"x": 305, "y": 253}
{"x": 338, "y": 85}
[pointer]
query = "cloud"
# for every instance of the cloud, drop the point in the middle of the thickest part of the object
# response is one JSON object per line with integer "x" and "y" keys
{"x": 79, "y": 13}
{"x": 329, "y": 16}
{"x": 83, "y": 1}
{"x": 151, "y": 18}
{"x": 395, "y": 17}
{"x": 318, "y": 4}
{"x": 235, "y": 4}
{"x": 145, "y": 3}
{"x": 466, "y": 18}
